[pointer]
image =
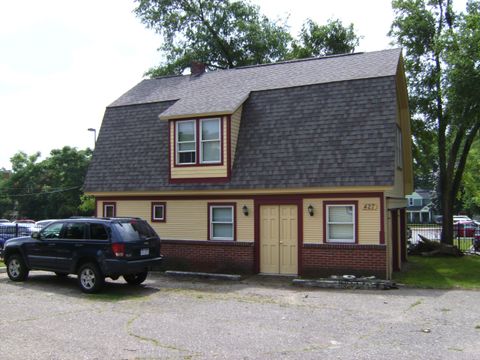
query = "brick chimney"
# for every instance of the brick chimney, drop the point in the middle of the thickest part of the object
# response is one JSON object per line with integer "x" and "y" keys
{"x": 197, "y": 68}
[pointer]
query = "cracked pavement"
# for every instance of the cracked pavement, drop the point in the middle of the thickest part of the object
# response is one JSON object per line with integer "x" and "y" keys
{"x": 258, "y": 318}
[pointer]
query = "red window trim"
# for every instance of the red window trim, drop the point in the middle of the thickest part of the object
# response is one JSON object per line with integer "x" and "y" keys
{"x": 114, "y": 204}
{"x": 340, "y": 202}
{"x": 152, "y": 212}
{"x": 197, "y": 142}
{"x": 234, "y": 205}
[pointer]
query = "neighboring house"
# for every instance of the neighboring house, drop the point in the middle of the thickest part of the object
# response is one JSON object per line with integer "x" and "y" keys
{"x": 297, "y": 168}
{"x": 420, "y": 206}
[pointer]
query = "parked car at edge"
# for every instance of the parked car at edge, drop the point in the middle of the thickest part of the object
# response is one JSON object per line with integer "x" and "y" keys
{"x": 91, "y": 248}
{"x": 465, "y": 228}
{"x": 42, "y": 223}
{"x": 4, "y": 221}
{"x": 457, "y": 218}
{"x": 9, "y": 230}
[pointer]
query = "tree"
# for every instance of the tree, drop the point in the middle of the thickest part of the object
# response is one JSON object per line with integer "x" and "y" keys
{"x": 219, "y": 33}
{"x": 47, "y": 189}
{"x": 470, "y": 191}
{"x": 224, "y": 34}
{"x": 321, "y": 40}
{"x": 441, "y": 60}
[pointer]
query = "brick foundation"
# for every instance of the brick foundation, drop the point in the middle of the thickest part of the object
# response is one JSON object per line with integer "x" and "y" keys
{"x": 208, "y": 256}
{"x": 323, "y": 260}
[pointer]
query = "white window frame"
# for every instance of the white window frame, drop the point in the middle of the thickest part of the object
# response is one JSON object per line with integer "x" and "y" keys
{"x": 222, "y": 222}
{"x": 105, "y": 211}
{"x": 350, "y": 241}
{"x": 219, "y": 140}
{"x": 154, "y": 218}
{"x": 177, "y": 143}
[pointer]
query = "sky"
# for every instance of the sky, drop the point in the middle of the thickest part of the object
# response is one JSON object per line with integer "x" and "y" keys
{"x": 62, "y": 62}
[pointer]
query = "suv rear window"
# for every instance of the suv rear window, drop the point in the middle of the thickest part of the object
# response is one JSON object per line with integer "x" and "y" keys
{"x": 134, "y": 230}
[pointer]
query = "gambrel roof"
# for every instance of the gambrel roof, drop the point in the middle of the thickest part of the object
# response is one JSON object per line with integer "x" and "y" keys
{"x": 223, "y": 91}
{"x": 309, "y": 123}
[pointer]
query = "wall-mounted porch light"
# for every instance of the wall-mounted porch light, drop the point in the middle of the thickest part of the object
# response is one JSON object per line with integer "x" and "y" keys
{"x": 310, "y": 210}
{"x": 245, "y": 210}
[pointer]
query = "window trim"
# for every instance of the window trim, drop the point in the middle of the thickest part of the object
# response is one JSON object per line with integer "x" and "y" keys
{"x": 104, "y": 207}
{"x": 177, "y": 142}
{"x": 212, "y": 205}
{"x": 326, "y": 205}
{"x": 201, "y": 141}
{"x": 152, "y": 211}
{"x": 198, "y": 129}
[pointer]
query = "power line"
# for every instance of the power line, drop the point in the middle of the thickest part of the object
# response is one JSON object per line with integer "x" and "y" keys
{"x": 42, "y": 193}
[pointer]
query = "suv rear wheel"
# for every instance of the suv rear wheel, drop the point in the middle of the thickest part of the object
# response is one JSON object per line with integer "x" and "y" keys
{"x": 90, "y": 278}
{"x": 136, "y": 279}
{"x": 16, "y": 268}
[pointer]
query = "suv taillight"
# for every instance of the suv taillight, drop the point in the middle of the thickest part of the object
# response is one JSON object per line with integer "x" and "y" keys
{"x": 118, "y": 250}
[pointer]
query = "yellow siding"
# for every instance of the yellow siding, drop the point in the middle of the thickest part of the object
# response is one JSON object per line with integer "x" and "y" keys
{"x": 368, "y": 220}
{"x": 235, "y": 128}
{"x": 313, "y": 225}
{"x": 188, "y": 172}
{"x": 187, "y": 219}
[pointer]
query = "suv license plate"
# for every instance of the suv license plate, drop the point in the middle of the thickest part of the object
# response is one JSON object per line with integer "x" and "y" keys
{"x": 144, "y": 252}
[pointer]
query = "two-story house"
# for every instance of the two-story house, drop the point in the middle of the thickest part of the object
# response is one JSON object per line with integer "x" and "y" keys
{"x": 298, "y": 168}
{"x": 420, "y": 206}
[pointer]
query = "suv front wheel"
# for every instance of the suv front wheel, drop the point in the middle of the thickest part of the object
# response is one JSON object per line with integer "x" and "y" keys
{"x": 16, "y": 268}
{"x": 90, "y": 278}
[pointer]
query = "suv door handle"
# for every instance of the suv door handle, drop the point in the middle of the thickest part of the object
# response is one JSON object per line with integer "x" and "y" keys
{"x": 51, "y": 244}
{"x": 78, "y": 245}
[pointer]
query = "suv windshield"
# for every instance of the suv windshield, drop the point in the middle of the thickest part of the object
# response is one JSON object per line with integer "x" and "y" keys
{"x": 134, "y": 230}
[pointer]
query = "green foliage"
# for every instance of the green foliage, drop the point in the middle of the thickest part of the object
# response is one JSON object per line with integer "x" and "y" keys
{"x": 224, "y": 34}
{"x": 47, "y": 189}
{"x": 441, "y": 59}
{"x": 471, "y": 181}
{"x": 218, "y": 33}
{"x": 87, "y": 205}
{"x": 321, "y": 40}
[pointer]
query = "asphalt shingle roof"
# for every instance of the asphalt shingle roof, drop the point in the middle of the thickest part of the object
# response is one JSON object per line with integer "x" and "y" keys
{"x": 223, "y": 91}
{"x": 333, "y": 133}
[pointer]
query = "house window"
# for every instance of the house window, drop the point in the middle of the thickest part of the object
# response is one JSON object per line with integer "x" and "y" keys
{"x": 399, "y": 149}
{"x": 340, "y": 223}
{"x": 208, "y": 145}
{"x": 109, "y": 209}
{"x": 222, "y": 222}
{"x": 159, "y": 212}
{"x": 186, "y": 142}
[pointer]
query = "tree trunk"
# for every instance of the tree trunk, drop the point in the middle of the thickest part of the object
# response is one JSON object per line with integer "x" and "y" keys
{"x": 447, "y": 221}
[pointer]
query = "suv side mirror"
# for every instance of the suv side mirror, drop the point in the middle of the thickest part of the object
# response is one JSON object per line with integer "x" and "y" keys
{"x": 36, "y": 235}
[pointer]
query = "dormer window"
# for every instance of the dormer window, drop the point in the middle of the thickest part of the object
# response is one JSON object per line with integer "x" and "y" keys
{"x": 208, "y": 144}
{"x": 186, "y": 142}
{"x": 210, "y": 141}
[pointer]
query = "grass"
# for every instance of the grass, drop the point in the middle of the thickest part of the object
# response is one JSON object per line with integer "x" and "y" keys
{"x": 441, "y": 272}
{"x": 2, "y": 264}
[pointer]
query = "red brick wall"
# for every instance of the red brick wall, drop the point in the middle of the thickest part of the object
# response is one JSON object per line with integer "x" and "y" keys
{"x": 208, "y": 256}
{"x": 328, "y": 259}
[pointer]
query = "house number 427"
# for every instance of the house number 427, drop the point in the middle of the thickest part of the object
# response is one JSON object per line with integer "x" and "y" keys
{"x": 370, "y": 207}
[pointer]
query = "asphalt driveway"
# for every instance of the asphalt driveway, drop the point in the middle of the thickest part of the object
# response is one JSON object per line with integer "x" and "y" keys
{"x": 258, "y": 318}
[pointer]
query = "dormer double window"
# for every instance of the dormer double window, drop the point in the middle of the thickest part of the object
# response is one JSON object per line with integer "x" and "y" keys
{"x": 201, "y": 148}
{"x": 198, "y": 141}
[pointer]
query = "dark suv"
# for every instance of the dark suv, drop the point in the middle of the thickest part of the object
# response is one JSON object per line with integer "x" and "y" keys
{"x": 92, "y": 248}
